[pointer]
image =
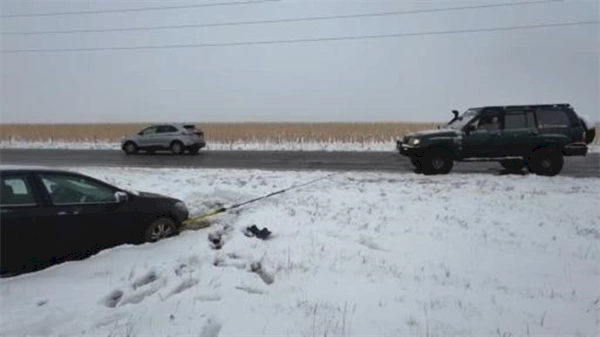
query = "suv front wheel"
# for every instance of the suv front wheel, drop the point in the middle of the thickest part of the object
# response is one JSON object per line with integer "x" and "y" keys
{"x": 437, "y": 161}
{"x": 130, "y": 148}
{"x": 546, "y": 163}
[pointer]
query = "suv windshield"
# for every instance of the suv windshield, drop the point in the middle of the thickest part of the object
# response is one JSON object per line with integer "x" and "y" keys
{"x": 463, "y": 119}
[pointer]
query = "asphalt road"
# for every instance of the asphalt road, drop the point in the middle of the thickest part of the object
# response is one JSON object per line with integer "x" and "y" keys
{"x": 588, "y": 166}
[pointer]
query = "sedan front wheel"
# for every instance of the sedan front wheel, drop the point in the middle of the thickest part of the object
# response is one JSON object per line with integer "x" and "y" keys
{"x": 160, "y": 229}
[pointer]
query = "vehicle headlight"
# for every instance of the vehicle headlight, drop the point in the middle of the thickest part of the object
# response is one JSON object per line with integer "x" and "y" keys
{"x": 416, "y": 141}
{"x": 180, "y": 205}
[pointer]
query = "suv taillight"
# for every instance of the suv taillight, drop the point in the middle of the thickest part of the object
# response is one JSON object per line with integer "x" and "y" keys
{"x": 583, "y": 137}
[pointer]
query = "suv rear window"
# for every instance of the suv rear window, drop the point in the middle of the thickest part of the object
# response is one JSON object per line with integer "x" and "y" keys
{"x": 553, "y": 118}
{"x": 166, "y": 129}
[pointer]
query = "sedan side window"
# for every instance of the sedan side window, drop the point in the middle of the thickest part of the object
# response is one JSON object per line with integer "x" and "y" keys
{"x": 16, "y": 192}
{"x": 68, "y": 190}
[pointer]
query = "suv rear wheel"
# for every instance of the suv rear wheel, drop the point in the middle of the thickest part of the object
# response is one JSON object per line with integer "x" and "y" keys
{"x": 437, "y": 161}
{"x": 177, "y": 147}
{"x": 546, "y": 163}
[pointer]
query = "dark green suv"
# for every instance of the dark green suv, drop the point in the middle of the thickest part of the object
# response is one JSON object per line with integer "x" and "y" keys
{"x": 518, "y": 136}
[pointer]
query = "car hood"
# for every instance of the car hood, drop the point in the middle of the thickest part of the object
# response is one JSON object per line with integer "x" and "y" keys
{"x": 149, "y": 195}
{"x": 433, "y": 133}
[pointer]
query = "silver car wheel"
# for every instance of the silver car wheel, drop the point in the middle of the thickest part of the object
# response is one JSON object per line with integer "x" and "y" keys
{"x": 177, "y": 148}
{"x": 130, "y": 148}
{"x": 160, "y": 231}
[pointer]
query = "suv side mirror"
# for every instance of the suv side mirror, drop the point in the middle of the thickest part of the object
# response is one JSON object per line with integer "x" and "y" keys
{"x": 121, "y": 197}
{"x": 470, "y": 128}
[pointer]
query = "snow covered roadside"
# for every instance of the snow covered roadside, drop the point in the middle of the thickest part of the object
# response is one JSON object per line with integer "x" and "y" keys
{"x": 240, "y": 146}
{"x": 358, "y": 254}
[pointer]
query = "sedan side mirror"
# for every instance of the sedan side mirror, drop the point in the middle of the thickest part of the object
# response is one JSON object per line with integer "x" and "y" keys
{"x": 121, "y": 197}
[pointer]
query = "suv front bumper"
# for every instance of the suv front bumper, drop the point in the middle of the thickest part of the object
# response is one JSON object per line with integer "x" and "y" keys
{"x": 409, "y": 150}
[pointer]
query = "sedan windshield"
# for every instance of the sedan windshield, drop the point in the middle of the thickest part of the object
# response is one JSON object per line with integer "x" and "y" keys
{"x": 463, "y": 119}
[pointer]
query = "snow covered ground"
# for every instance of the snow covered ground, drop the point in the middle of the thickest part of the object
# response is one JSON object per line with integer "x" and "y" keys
{"x": 247, "y": 146}
{"x": 356, "y": 254}
{"x": 244, "y": 146}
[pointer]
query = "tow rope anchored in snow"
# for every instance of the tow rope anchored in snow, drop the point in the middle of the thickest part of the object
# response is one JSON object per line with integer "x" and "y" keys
{"x": 225, "y": 209}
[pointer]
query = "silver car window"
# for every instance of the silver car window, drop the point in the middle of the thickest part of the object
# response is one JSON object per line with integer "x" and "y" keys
{"x": 149, "y": 131}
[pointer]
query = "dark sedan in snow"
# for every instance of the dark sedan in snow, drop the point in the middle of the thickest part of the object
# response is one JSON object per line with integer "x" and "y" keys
{"x": 49, "y": 216}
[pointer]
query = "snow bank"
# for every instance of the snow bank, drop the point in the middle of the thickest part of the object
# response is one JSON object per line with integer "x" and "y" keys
{"x": 358, "y": 254}
{"x": 241, "y": 146}
{"x": 244, "y": 146}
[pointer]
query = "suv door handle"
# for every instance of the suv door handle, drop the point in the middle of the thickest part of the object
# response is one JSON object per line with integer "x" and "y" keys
{"x": 533, "y": 133}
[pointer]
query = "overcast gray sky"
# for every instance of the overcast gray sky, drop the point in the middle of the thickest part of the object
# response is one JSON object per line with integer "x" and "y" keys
{"x": 419, "y": 78}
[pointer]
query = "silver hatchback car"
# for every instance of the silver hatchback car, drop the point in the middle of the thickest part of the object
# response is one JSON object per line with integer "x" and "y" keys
{"x": 177, "y": 138}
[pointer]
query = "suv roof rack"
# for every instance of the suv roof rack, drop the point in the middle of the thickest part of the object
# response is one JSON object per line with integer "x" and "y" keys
{"x": 529, "y": 106}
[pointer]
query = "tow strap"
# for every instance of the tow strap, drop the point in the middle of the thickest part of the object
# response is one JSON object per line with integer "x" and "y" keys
{"x": 225, "y": 209}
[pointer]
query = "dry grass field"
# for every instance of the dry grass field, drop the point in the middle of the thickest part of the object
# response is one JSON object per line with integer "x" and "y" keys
{"x": 220, "y": 132}
{"x": 225, "y": 133}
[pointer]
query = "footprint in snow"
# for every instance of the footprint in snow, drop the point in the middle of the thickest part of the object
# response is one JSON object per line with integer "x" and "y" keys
{"x": 251, "y": 290}
{"x": 138, "y": 296}
{"x": 216, "y": 240}
{"x": 183, "y": 286}
{"x": 211, "y": 329}
{"x": 148, "y": 284}
{"x": 257, "y": 268}
{"x": 239, "y": 263}
{"x": 111, "y": 300}
{"x": 180, "y": 269}
{"x": 222, "y": 262}
{"x": 145, "y": 280}
{"x": 371, "y": 243}
{"x": 208, "y": 298}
